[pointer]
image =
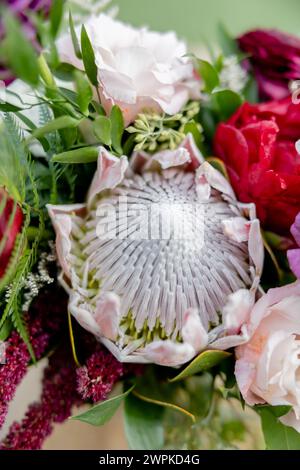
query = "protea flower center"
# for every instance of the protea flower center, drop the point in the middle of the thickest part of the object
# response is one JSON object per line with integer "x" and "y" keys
{"x": 153, "y": 244}
{"x": 151, "y": 260}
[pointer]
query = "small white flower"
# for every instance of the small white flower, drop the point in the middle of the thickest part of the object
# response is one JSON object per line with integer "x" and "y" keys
{"x": 232, "y": 75}
{"x": 137, "y": 69}
{"x": 150, "y": 294}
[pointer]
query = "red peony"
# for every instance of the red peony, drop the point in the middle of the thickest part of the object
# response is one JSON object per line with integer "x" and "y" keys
{"x": 275, "y": 57}
{"x": 11, "y": 219}
{"x": 257, "y": 145}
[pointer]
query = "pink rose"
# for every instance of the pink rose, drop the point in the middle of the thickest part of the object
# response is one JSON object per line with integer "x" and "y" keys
{"x": 137, "y": 68}
{"x": 268, "y": 365}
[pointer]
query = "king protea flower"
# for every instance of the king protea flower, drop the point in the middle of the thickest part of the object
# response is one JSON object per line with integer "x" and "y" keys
{"x": 11, "y": 219}
{"x": 157, "y": 299}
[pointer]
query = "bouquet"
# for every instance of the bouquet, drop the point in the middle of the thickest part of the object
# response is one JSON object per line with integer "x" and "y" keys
{"x": 149, "y": 229}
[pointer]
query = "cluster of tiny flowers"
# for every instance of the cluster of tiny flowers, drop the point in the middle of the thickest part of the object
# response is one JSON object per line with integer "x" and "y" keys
{"x": 153, "y": 132}
{"x": 58, "y": 397}
{"x": 34, "y": 282}
{"x": 232, "y": 75}
{"x": 96, "y": 379}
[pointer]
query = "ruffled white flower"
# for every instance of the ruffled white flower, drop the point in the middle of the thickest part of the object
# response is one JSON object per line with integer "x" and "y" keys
{"x": 157, "y": 298}
{"x": 137, "y": 69}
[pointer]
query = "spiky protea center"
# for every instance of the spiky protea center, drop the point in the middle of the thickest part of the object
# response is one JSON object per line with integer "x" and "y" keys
{"x": 161, "y": 249}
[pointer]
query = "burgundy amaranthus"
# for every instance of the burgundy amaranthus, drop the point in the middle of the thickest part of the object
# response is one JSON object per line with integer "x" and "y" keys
{"x": 63, "y": 385}
{"x": 58, "y": 396}
{"x": 44, "y": 322}
{"x": 96, "y": 379}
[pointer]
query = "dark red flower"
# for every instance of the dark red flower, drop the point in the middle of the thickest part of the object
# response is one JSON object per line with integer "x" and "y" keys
{"x": 257, "y": 145}
{"x": 11, "y": 219}
{"x": 275, "y": 58}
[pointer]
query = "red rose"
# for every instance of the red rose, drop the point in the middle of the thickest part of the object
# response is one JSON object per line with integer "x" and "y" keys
{"x": 11, "y": 219}
{"x": 257, "y": 145}
{"x": 275, "y": 57}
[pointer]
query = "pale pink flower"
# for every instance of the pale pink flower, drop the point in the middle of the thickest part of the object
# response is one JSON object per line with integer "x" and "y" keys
{"x": 137, "y": 69}
{"x": 268, "y": 363}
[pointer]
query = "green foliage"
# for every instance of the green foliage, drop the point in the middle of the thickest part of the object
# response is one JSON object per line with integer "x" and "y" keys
{"x": 208, "y": 74}
{"x": 80, "y": 155}
{"x": 102, "y": 129}
{"x": 143, "y": 424}
{"x": 277, "y": 435}
{"x": 22, "y": 60}
{"x": 226, "y": 102}
{"x": 84, "y": 92}
{"x": 99, "y": 414}
{"x": 88, "y": 57}
{"x": 206, "y": 360}
{"x": 227, "y": 42}
{"x": 74, "y": 37}
{"x": 56, "y": 16}
{"x": 117, "y": 128}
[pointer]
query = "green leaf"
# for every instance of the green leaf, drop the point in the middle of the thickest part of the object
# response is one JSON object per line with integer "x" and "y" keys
{"x": 84, "y": 92}
{"x": 102, "y": 412}
{"x": 102, "y": 129}
{"x": 62, "y": 122}
{"x": 56, "y": 16}
{"x": 19, "y": 52}
{"x": 226, "y": 102}
{"x": 227, "y": 42}
{"x": 206, "y": 360}
{"x": 192, "y": 128}
{"x": 208, "y": 74}
{"x": 81, "y": 155}
{"x": 74, "y": 37}
{"x": 9, "y": 108}
{"x": 117, "y": 128}
{"x": 277, "y": 435}
{"x": 5, "y": 330}
{"x": 143, "y": 424}
{"x": 88, "y": 57}
{"x": 251, "y": 91}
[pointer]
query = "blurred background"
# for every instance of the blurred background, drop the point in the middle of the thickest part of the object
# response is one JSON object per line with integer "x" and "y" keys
{"x": 196, "y": 21}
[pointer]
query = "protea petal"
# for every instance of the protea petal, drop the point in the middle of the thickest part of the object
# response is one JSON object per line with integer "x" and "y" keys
{"x": 110, "y": 172}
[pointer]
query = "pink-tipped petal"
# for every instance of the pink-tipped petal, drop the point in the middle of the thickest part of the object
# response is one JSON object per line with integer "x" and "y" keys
{"x": 138, "y": 161}
{"x": 203, "y": 188}
{"x": 193, "y": 331}
{"x": 171, "y": 158}
{"x": 61, "y": 217}
{"x": 256, "y": 246}
{"x": 107, "y": 315}
{"x": 237, "y": 229}
{"x": 215, "y": 179}
{"x": 237, "y": 310}
{"x": 110, "y": 172}
{"x": 168, "y": 353}
{"x": 195, "y": 155}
